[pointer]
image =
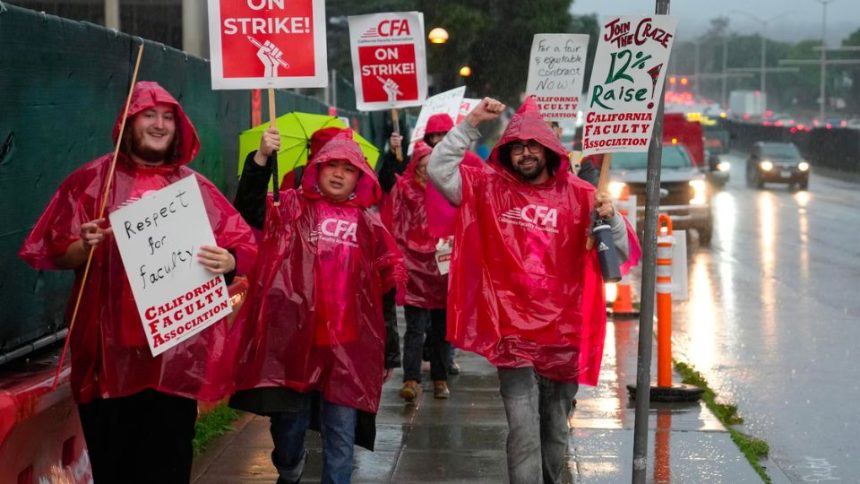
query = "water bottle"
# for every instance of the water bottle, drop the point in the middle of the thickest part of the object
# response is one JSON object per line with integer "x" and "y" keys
{"x": 610, "y": 266}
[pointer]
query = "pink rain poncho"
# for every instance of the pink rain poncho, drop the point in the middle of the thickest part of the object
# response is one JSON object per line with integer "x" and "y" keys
{"x": 405, "y": 213}
{"x": 524, "y": 291}
{"x": 440, "y": 212}
{"x": 109, "y": 352}
{"x": 313, "y": 318}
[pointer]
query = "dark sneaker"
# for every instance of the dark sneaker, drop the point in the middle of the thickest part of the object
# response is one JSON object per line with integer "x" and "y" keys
{"x": 440, "y": 390}
{"x": 453, "y": 368}
{"x": 409, "y": 392}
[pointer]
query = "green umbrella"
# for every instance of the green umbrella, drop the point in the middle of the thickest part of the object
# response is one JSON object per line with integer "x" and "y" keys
{"x": 296, "y": 130}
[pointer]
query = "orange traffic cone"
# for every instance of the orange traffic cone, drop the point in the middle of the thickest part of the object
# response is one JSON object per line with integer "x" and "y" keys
{"x": 623, "y": 305}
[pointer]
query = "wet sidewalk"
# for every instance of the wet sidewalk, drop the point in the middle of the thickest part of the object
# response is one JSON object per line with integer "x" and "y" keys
{"x": 462, "y": 440}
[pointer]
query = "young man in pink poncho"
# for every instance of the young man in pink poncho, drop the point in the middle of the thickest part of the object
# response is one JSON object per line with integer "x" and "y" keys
{"x": 525, "y": 292}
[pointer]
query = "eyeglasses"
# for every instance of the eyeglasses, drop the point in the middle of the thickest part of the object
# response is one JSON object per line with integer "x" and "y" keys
{"x": 533, "y": 146}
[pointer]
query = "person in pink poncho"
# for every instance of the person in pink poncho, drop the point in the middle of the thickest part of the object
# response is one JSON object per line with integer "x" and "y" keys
{"x": 405, "y": 213}
{"x": 137, "y": 411}
{"x": 525, "y": 293}
{"x": 313, "y": 334}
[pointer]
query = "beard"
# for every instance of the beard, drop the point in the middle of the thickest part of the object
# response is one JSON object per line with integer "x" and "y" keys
{"x": 532, "y": 172}
{"x": 148, "y": 153}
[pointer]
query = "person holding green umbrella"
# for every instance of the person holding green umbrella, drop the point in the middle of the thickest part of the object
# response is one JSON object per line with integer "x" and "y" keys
{"x": 313, "y": 343}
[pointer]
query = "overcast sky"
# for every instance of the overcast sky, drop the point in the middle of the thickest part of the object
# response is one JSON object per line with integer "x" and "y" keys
{"x": 802, "y": 21}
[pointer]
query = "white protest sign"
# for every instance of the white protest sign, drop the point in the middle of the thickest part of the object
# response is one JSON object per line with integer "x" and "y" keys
{"x": 556, "y": 70}
{"x": 388, "y": 60}
{"x": 627, "y": 83}
{"x": 159, "y": 237}
{"x": 447, "y": 102}
{"x": 267, "y": 43}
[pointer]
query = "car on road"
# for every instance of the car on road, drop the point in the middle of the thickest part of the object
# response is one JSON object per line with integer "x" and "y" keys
{"x": 685, "y": 194}
{"x": 771, "y": 162}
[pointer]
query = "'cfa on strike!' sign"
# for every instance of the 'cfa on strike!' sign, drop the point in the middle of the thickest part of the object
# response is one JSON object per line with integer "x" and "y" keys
{"x": 388, "y": 60}
{"x": 158, "y": 238}
{"x": 627, "y": 83}
{"x": 556, "y": 69}
{"x": 267, "y": 43}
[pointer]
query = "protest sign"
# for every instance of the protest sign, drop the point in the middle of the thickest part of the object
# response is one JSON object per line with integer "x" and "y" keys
{"x": 388, "y": 60}
{"x": 466, "y": 106}
{"x": 267, "y": 44}
{"x": 626, "y": 83}
{"x": 447, "y": 102}
{"x": 556, "y": 70}
{"x": 159, "y": 237}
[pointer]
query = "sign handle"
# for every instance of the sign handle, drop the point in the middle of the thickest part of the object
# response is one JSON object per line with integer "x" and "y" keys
{"x": 395, "y": 120}
{"x": 102, "y": 206}
{"x": 273, "y": 158}
{"x": 602, "y": 186}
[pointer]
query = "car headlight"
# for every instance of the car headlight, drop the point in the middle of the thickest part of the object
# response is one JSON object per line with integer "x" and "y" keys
{"x": 803, "y": 166}
{"x": 724, "y": 166}
{"x": 616, "y": 188}
{"x": 700, "y": 192}
{"x": 766, "y": 165}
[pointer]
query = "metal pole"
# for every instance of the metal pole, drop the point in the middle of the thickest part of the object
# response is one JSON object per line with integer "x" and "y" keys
{"x": 725, "y": 63}
{"x": 646, "y": 311}
{"x": 822, "y": 82}
{"x": 696, "y": 73}
{"x": 334, "y": 87}
{"x": 763, "y": 86}
{"x": 112, "y": 14}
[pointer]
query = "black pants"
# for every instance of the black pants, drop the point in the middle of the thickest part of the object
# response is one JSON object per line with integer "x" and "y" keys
{"x": 417, "y": 320}
{"x": 141, "y": 438}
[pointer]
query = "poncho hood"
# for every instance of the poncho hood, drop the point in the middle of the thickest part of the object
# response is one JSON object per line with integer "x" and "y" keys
{"x": 439, "y": 123}
{"x": 343, "y": 147}
{"x": 146, "y": 95}
{"x": 528, "y": 124}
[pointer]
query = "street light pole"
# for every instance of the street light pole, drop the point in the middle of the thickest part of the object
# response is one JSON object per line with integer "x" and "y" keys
{"x": 763, "y": 83}
{"x": 725, "y": 63}
{"x": 822, "y": 82}
{"x": 764, "y": 23}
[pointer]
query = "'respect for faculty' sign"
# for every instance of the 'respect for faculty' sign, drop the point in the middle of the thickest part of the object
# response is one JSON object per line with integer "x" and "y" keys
{"x": 556, "y": 70}
{"x": 627, "y": 83}
{"x": 388, "y": 60}
{"x": 159, "y": 237}
{"x": 258, "y": 44}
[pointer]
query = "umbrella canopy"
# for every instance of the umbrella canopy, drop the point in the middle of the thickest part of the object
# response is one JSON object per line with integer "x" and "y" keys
{"x": 296, "y": 130}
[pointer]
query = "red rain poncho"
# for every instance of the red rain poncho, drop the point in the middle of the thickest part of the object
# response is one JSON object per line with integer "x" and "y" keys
{"x": 313, "y": 318}
{"x": 524, "y": 291}
{"x": 440, "y": 212}
{"x": 109, "y": 352}
{"x": 405, "y": 214}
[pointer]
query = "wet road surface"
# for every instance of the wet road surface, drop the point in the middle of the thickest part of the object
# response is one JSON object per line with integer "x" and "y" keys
{"x": 773, "y": 320}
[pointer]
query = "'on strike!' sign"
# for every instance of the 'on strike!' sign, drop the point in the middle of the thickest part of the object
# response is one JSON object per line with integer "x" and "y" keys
{"x": 267, "y": 43}
{"x": 388, "y": 60}
{"x": 158, "y": 238}
{"x": 627, "y": 83}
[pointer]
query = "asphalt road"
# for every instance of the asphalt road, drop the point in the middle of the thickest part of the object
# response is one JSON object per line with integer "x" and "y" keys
{"x": 773, "y": 320}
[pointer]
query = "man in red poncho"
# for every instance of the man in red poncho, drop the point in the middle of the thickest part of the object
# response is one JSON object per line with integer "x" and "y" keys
{"x": 405, "y": 213}
{"x": 137, "y": 412}
{"x": 314, "y": 311}
{"x": 524, "y": 291}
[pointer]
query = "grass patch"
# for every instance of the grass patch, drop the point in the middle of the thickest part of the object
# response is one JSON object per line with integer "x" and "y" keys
{"x": 211, "y": 425}
{"x": 753, "y": 449}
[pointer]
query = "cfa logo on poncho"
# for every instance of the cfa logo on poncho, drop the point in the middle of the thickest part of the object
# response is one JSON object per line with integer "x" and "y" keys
{"x": 337, "y": 231}
{"x": 532, "y": 216}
